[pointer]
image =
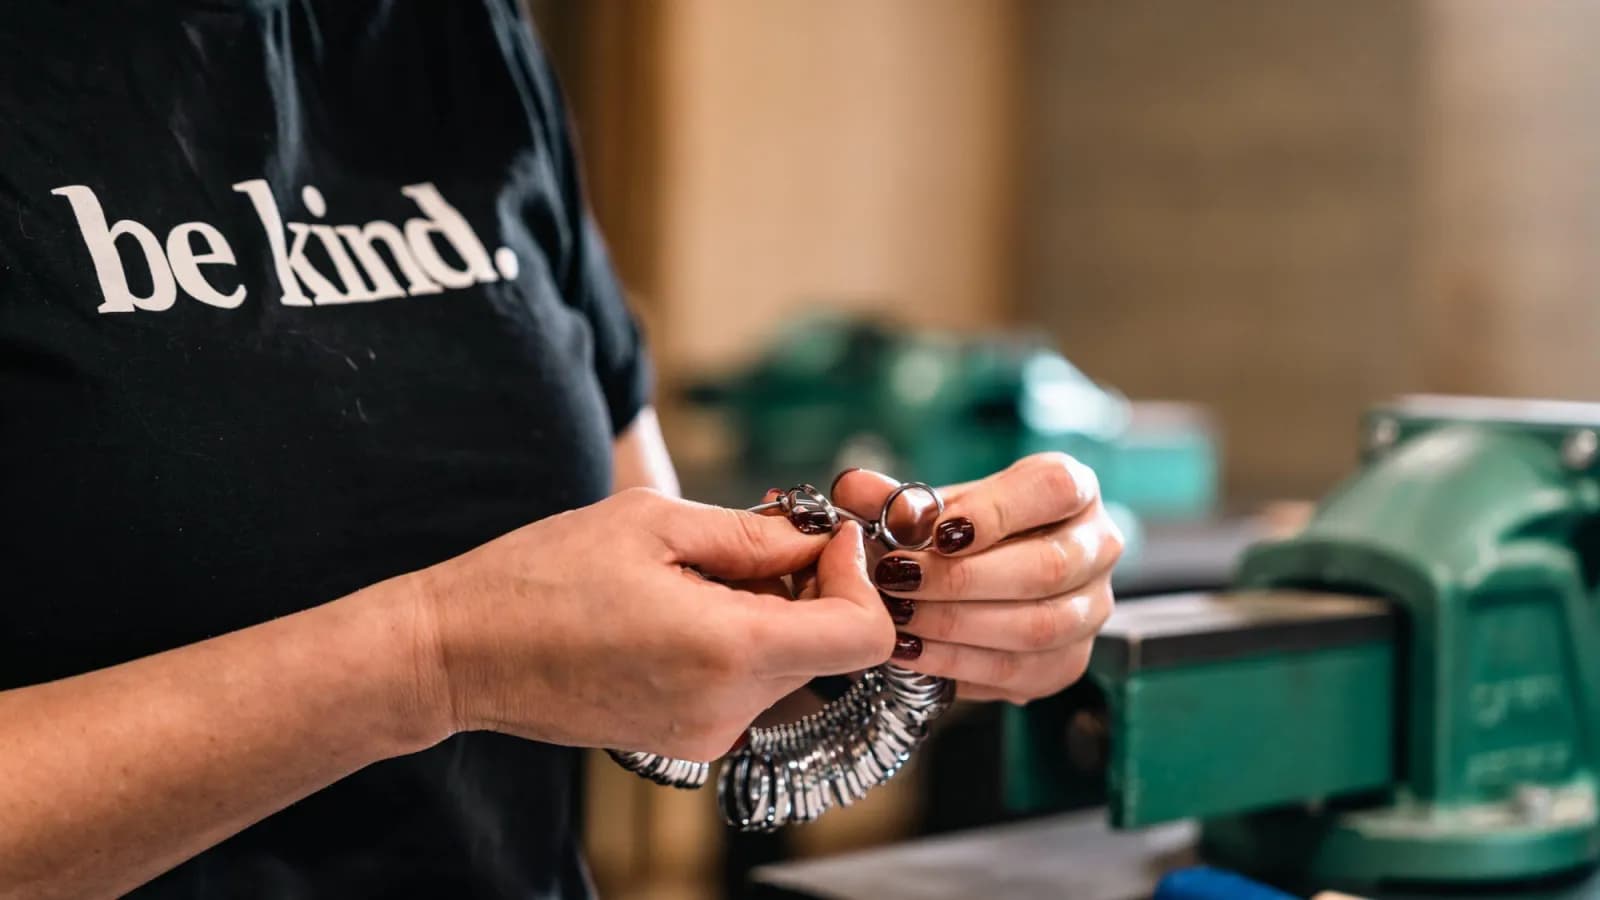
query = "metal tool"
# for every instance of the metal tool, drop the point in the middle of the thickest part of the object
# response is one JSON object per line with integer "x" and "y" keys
{"x": 1408, "y": 690}
{"x": 795, "y": 772}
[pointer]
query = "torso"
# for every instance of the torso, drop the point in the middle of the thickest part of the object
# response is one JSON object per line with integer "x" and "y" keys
{"x": 179, "y": 459}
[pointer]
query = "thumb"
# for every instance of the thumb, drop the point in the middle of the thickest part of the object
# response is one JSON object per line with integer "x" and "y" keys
{"x": 844, "y": 629}
{"x": 842, "y": 570}
{"x": 733, "y": 544}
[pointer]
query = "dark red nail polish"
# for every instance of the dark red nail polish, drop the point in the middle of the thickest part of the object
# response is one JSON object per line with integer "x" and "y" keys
{"x": 897, "y": 573}
{"x": 954, "y": 534}
{"x": 900, "y": 609}
{"x": 907, "y": 646}
{"x": 840, "y": 477}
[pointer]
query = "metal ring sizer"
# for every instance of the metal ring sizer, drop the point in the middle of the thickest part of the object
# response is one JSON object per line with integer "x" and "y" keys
{"x": 795, "y": 772}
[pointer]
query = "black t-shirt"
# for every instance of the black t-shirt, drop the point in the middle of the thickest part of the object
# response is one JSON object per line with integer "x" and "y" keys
{"x": 297, "y": 295}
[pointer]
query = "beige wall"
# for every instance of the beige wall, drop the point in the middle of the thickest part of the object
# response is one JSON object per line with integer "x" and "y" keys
{"x": 1219, "y": 211}
{"x": 857, "y": 153}
{"x": 1290, "y": 210}
{"x": 1509, "y": 188}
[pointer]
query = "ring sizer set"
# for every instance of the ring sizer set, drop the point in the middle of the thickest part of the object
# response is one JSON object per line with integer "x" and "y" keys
{"x": 792, "y": 773}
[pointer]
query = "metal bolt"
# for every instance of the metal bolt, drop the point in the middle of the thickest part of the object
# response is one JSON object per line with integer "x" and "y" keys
{"x": 1383, "y": 435}
{"x": 1578, "y": 451}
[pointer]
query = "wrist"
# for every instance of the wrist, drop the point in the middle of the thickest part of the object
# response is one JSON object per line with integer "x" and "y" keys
{"x": 402, "y": 628}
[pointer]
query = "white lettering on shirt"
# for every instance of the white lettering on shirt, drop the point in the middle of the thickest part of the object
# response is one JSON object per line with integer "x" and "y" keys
{"x": 365, "y": 258}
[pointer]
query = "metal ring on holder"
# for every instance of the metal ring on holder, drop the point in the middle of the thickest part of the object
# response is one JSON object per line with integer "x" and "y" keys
{"x": 887, "y": 535}
{"x": 794, "y": 772}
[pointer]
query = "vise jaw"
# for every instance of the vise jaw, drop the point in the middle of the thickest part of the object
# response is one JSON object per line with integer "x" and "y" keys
{"x": 1406, "y": 691}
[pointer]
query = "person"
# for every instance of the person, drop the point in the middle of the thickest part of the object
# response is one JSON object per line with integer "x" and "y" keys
{"x": 337, "y": 514}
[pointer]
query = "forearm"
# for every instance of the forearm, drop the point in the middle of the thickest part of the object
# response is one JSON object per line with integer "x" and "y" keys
{"x": 639, "y": 457}
{"x": 108, "y": 779}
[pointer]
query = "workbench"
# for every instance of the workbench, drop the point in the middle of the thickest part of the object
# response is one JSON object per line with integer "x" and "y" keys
{"x": 1072, "y": 856}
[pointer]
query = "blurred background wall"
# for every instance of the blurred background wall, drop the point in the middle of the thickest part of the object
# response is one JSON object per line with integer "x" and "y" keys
{"x": 1217, "y": 212}
{"x": 1283, "y": 210}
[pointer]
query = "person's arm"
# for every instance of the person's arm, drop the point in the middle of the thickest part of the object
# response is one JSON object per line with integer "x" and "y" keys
{"x": 580, "y": 629}
{"x": 108, "y": 779}
{"x": 640, "y": 458}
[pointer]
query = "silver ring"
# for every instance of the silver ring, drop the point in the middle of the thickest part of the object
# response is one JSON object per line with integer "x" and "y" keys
{"x": 887, "y": 535}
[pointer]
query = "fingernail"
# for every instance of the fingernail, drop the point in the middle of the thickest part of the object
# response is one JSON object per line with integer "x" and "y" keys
{"x": 954, "y": 534}
{"x": 907, "y": 646}
{"x": 810, "y": 521}
{"x": 897, "y": 573}
{"x": 900, "y": 609}
{"x": 840, "y": 477}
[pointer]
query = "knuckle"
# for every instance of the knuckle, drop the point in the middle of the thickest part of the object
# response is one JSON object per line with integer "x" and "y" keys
{"x": 1045, "y": 680}
{"x": 1088, "y": 483}
{"x": 939, "y": 621}
{"x": 1000, "y": 513}
{"x": 1057, "y": 564}
{"x": 638, "y": 497}
{"x": 958, "y": 578}
{"x": 1057, "y": 473}
{"x": 722, "y": 656}
{"x": 1004, "y": 669}
{"x": 1114, "y": 544}
{"x": 1101, "y": 606}
{"x": 1045, "y": 625}
{"x": 1075, "y": 664}
{"x": 752, "y": 533}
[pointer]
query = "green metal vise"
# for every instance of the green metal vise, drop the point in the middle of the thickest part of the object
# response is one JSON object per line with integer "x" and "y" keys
{"x": 1408, "y": 691}
{"x": 953, "y": 408}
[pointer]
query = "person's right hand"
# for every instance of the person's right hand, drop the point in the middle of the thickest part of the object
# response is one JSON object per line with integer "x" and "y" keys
{"x": 592, "y": 628}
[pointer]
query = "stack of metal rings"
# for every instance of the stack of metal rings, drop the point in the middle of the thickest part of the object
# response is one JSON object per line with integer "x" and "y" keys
{"x": 664, "y": 770}
{"x": 792, "y": 773}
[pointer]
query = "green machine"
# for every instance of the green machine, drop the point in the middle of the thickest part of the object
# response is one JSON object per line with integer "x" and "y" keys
{"x": 838, "y": 392}
{"x": 1406, "y": 692}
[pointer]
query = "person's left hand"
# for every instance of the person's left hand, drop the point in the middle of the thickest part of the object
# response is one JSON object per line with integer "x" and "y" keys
{"x": 1008, "y": 600}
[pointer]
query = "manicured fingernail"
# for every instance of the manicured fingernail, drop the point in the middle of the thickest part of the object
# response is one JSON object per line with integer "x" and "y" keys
{"x": 810, "y": 521}
{"x": 897, "y": 573}
{"x": 840, "y": 477}
{"x": 954, "y": 534}
{"x": 900, "y": 609}
{"x": 907, "y": 646}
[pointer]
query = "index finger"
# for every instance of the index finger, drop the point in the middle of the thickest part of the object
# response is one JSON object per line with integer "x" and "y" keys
{"x": 1035, "y": 491}
{"x": 863, "y": 492}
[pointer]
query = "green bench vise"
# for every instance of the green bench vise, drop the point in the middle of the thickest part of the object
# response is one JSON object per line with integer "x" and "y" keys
{"x": 1406, "y": 692}
{"x": 835, "y": 392}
